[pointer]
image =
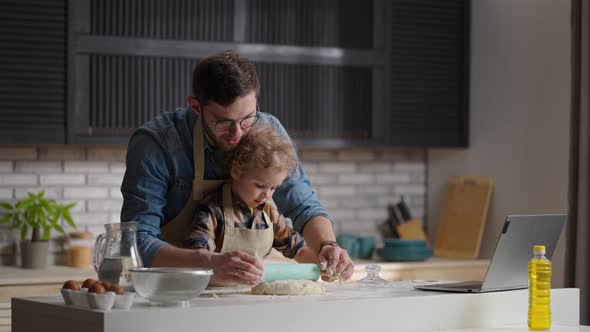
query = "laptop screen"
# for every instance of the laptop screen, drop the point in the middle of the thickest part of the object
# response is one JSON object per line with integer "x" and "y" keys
{"x": 509, "y": 264}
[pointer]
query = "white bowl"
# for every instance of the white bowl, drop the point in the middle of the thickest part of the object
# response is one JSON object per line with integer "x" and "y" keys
{"x": 166, "y": 286}
{"x": 101, "y": 301}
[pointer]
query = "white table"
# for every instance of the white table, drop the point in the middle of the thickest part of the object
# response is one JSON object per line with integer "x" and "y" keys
{"x": 554, "y": 328}
{"x": 397, "y": 307}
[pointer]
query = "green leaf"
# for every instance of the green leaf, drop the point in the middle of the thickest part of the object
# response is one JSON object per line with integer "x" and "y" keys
{"x": 46, "y": 233}
{"x": 60, "y": 229}
{"x": 37, "y": 212}
{"x": 54, "y": 220}
{"x": 69, "y": 206}
{"x": 69, "y": 220}
{"x": 5, "y": 219}
{"x": 23, "y": 232}
{"x": 7, "y": 206}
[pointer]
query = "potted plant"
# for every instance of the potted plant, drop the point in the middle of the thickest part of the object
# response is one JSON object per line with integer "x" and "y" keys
{"x": 38, "y": 216}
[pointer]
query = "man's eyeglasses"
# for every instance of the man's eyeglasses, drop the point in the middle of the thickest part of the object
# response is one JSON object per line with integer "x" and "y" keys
{"x": 227, "y": 124}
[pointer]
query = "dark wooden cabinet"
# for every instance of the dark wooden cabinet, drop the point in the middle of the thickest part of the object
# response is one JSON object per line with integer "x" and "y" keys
{"x": 33, "y": 48}
{"x": 335, "y": 72}
{"x": 429, "y": 59}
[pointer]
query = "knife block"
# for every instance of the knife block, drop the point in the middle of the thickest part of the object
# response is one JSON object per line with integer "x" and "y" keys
{"x": 411, "y": 230}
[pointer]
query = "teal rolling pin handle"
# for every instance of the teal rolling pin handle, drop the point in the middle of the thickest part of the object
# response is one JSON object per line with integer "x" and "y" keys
{"x": 273, "y": 272}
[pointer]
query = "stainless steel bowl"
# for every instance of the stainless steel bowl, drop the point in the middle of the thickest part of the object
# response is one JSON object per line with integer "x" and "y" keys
{"x": 169, "y": 285}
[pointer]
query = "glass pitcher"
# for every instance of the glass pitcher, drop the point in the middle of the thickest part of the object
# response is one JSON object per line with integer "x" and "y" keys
{"x": 115, "y": 252}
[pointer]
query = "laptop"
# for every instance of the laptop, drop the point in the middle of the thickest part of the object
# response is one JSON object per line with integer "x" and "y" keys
{"x": 508, "y": 268}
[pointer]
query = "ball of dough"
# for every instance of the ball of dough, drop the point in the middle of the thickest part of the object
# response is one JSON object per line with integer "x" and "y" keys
{"x": 288, "y": 287}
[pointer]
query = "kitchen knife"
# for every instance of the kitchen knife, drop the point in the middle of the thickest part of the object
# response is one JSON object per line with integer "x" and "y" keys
{"x": 404, "y": 209}
{"x": 288, "y": 271}
{"x": 398, "y": 214}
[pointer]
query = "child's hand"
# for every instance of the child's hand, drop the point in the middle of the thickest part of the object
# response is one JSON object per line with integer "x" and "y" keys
{"x": 237, "y": 267}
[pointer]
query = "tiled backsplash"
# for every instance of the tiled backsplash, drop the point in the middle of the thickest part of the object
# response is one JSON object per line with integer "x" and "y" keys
{"x": 354, "y": 185}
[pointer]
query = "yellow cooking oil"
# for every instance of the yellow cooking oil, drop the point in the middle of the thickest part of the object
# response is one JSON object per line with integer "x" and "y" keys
{"x": 539, "y": 317}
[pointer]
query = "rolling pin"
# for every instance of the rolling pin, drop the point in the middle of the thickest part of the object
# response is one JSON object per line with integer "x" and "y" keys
{"x": 273, "y": 272}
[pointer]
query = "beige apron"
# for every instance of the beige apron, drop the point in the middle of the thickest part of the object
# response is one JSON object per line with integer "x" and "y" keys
{"x": 257, "y": 242}
{"x": 176, "y": 231}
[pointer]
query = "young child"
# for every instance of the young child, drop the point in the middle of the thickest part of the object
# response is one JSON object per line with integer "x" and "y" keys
{"x": 239, "y": 215}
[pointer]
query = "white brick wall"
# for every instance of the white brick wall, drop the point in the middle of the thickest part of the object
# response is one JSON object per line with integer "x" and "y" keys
{"x": 117, "y": 167}
{"x": 18, "y": 179}
{"x": 105, "y": 179}
{"x": 355, "y": 186}
{"x": 38, "y": 167}
{"x": 105, "y": 205}
{"x": 115, "y": 192}
{"x": 86, "y": 167}
{"x": 338, "y": 167}
{"x": 5, "y": 166}
{"x": 86, "y": 192}
{"x": 53, "y": 193}
{"x": 6, "y": 194}
{"x": 62, "y": 179}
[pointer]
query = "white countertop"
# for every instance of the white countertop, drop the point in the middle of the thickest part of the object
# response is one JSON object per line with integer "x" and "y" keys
{"x": 554, "y": 328}
{"x": 344, "y": 308}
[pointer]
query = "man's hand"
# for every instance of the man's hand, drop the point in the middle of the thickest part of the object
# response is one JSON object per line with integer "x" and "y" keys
{"x": 237, "y": 267}
{"x": 337, "y": 262}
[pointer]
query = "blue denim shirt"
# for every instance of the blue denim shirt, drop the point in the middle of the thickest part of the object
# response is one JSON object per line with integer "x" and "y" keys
{"x": 160, "y": 170}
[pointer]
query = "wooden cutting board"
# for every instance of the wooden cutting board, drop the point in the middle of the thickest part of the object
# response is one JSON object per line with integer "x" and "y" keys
{"x": 463, "y": 217}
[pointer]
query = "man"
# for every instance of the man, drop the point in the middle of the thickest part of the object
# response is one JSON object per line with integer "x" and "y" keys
{"x": 176, "y": 157}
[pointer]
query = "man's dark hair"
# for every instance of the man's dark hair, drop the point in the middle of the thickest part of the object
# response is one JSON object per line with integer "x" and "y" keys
{"x": 224, "y": 77}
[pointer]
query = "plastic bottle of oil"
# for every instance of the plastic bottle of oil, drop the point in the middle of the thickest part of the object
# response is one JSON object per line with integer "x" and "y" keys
{"x": 539, "y": 317}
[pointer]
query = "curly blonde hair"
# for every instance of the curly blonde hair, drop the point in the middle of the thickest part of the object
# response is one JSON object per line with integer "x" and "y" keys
{"x": 263, "y": 147}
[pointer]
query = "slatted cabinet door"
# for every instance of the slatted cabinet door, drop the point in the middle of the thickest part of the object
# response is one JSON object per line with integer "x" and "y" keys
{"x": 33, "y": 46}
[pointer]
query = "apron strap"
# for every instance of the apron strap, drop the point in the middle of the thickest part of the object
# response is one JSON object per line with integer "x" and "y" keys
{"x": 271, "y": 228}
{"x": 267, "y": 220}
{"x": 228, "y": 208}
{"x": 176, "y": 230}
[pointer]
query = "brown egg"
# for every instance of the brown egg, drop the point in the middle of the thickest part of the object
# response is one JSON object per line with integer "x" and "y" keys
{"x": 116, "y": 289}
{"x": 96, "y": 288}
{"x": 106, "y": 285}
{"x": 89, "y": 282}
{"x": 71, "y": 284}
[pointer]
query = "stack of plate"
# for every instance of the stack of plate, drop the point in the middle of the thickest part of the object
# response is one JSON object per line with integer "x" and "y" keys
{"x": 398, "y": 250}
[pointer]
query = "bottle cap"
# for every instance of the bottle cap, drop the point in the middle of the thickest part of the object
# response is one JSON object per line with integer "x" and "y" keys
{"x": 539, "y": 249}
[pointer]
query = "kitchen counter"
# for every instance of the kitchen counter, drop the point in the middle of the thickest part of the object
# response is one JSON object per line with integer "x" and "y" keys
{"x": 18, "y": 282}
{"x": 10, "y": 275}
{"x": 434, "y": 268}
{"x": 343, "y": 308}
{"x": 431, "y": 269}
{"x": 554, "y": 328}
